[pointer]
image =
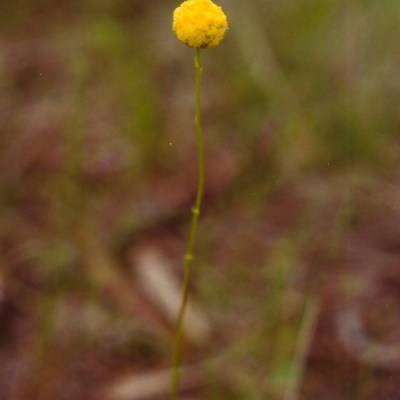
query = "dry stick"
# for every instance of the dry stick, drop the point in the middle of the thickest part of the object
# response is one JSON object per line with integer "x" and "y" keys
{"x": 188, "y": 258}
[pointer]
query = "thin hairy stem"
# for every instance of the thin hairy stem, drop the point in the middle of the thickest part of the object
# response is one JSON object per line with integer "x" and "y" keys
{"x": 188, "y": 258}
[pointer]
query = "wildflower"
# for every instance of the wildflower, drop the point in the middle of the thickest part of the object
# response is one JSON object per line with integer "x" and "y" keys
{"x": 199, "y": 23}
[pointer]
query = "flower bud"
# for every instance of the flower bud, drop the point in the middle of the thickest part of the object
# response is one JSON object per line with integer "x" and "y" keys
{"x": 199, "y": 23}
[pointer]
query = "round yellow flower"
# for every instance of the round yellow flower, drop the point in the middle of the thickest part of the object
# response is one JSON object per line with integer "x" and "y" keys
{"x": 199, "y": 23}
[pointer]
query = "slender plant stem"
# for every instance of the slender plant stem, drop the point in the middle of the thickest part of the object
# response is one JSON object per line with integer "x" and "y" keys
{"x": 188, "y": 258}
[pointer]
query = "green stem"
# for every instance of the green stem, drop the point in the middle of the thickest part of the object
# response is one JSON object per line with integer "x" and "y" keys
{"x": 188, "y": 258}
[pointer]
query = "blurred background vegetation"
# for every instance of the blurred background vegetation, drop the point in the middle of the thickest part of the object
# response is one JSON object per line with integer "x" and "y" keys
{"x": 301, "y": 117}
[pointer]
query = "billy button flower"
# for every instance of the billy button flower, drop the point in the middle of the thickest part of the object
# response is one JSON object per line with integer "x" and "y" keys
{"x": 199, "y": 23}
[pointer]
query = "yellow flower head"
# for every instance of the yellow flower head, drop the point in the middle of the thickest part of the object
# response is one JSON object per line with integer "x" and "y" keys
{"x": 199, "y": 23}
